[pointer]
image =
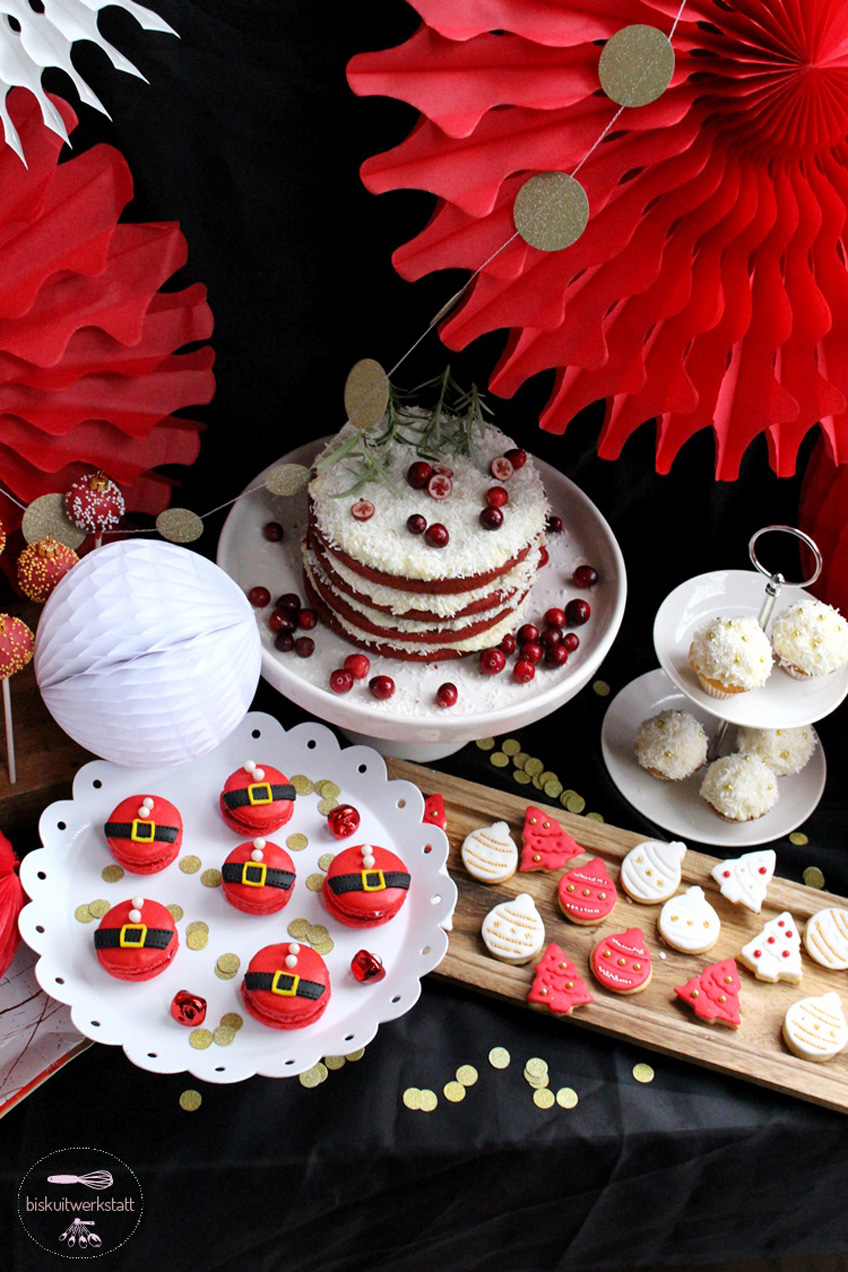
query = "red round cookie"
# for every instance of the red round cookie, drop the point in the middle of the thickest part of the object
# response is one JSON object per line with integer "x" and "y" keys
{"x": 136, "y": 941}
{"x": 144, "y": 833}
{"x": 622, "y": 963}
{"x": 257, "y": 800}
{"x": 258, "y": 877}
{"x": 586, "y": 894}
{"x": 365, "y": 886}
{"x": 286, "y": 986}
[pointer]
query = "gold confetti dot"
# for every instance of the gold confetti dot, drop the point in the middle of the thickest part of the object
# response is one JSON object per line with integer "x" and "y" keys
{"x": 223, "y": 1036}
{"x": 798, "y": 838}
{"x": 543, "y": 1099}
{"x": 486, "y": 744}
{"x": 83, "y": 914}
{"x": 176, "y": 911}
{"x": 179, "y": 525}
{"x": 601, "y": 688}
{"x": 228, "y": 964}
{"x": 427, "y": 1101}
{"x": 520, "y": 759}
{"x": 303, "y": 785}
{"x": 197, "y": 940}
{"x": 566, "y": 1098}
{"x": 99, "y": 908}
{"x": 536, "y": 1067}
{"x": 326, "y": 806}
{"x": 335, "y": 1062}
{"x": 511, "y": 746}
{"x": 596, "y": 817}
{"x": 454, "y": 1091}
{"x": 499, "y": 759}
{"x": 315, "y": 882}
{"x": 548, "y": 776}
{"x": 316, "y": 932}
{"x": 297, "y": 843}
{"x": 522, "y": 778}
{"x": 643, "y": 1073}
{"x": 200, "y": 1039}
{"x": 553, "y": 789}
{"x": 327, "y": 789}
{"x": 211, "y": 878}
{"x": 353, "y": 1056}
{"x": 111, "y": 874}
{"x": 412, "y": 1098}
{"x": 190, "y": 1100}
{"x": 538, "y": 1084}
{"x": 287, "y": 479}
{"x": 324, "y": 947}
{"x": 190, "y": 864}
{"x": 313, "y": 1077}
{"x": 813, "y": 877}
{"x": 576, "y": 804}
{"x": 551, "y": 211}
{"x": 325, "y": 860}
{"x": 533, "y": 766}
{"x": 366, "y": 393}
{"x": 467, "y": 1074}
{"x": 232, "y": 1020}
{"x": 636, "y": 65}
{"x": 499, "y": 1058}
{"x": 566, "y": 796}
{"x": 197, "y": 926}
{"x": 298, "y": 928}
{"x": 537, "y": 781}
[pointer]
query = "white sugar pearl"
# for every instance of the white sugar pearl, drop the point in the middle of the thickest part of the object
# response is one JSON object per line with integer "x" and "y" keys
{"x": 367, "y": 850}
{"x": 258, "y": 774}
{"x": 368, "y": 862}
{"x": 138, "y": 902}
{"x": 259, "y": 843}
{"x": 144, "y": 811}
{"x": 147, "y": 802}
{"x": 257, "y": 854}
{"x": 249, "y": 766}
{"x": 135, "y": 916}
{"x": 294, "y": 948}
{"x": 291, "y": 961}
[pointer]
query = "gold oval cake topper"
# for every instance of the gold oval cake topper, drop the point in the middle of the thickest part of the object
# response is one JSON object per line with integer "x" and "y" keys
{"x": 366, "y": 394}
{"x": 287, "y": 479}
{"x": 46, "y": 516}
{"x": 636, "y": 65}
{"x": 179, "y": 525}
{"x": 551, "y": 211}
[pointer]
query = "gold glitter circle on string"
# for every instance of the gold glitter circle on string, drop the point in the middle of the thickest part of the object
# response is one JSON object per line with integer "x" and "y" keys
{"x": 411, "y": 1098}
{"x": 566, "y": 1098}
{"x": 486, "y": 744}
{"x": 325, "y": 860}
{"x": 99, "y": 908}
{"x": 286, "y": 480}
{"x": 366, "y": 394}
{"x": 499, "y": 1058}
{"x": 45, "y": 516}
{"x": 543, "y": 1099}
{"x": 315, "y": 882}
{"x": 511, "y": 746}
{"x": 798, "y": 838}
{"x": 643, "y": 1072}
{"x": 190, "y": 864}
{"x": 313, "y": 1077}
{"x": 303, "y": 785}
{"x": 335, "y": 1062}
{"x": 211, "y": 878}
{"x": 297, "y": 842}
{"x": 353, "y": 1056}
{"x": 467, "y": 1075}
{"x": 298, "y": 928}
{"x": 83, "y": 914}
{"x": 179, "y": 525}
{"x": 454, "y": 1091}
{"x": 200, "y": 1039}
{"x": 190, "y": 1101}
{"x": 601, "y": 688}
{"x": 499, "y": 759}
{"x": 223, "y": 1036}
{"x": 551, "y": 211}
{"x": 111, "y": 874}
{"x": 813, "y": 877}
{"x": 176, "y": 911}
{"x": 427, "y": 1101}
{"x": 636, "y": 65}
{"x": 232, "y": 1020}
{"x": 227, "y": 966}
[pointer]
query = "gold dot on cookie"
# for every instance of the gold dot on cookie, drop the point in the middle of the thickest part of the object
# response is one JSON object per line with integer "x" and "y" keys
{"x": 813, "y": 877}
{"x": 335, "y": 1062}
{"x": 303, "y": 785}
{"x": 798, "y": 838}
{"x": 298, "y": 928}
{"x": 83, "y": 914}
{"x": 566, "y": 1098}
{"x": 353, "y": 1056}
{"x": 499, "y": 759}
{"x": 227, "y": 965}
{"x": 197, "y": 926}
{"x": 190, "y": 1100}
{"x": 499, "y": 1057}
{"x": 197, "y": 940}
{"x": 427, "y": 1101}
{"x": 99, "y": 908}
{"x": 486, "y": 744}
{"x": 223, "y": 1036}
{"x": 576, "y": 804}
{"x": 176, "y": 911}
{"x": 326, "y": 806}
{"x": 325, "y": 860}
{"x": 200, "y": 1039}
{"x": 511, "y": 746}
{"x": 315, "y": 1076}
{"x": 297, "y": 843}
{"x": 315, "y": 882}
{"x": 467, "y": 1074}
{"x": 327, "y": 789}
{"x": 454, "y": 1091}
{"x": 211, "y": 878}
{"x": 522, "y": 778}
{"x": 643, "y": 1072}
{"x": 232, "y": 1020}
{"x": 543, "y": 1099}
{"x": 111, "y": 874}
{"x": 190, "y": 864}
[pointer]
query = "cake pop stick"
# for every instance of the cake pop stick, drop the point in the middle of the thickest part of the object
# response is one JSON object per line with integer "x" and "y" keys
{"x": 16, "y": 646}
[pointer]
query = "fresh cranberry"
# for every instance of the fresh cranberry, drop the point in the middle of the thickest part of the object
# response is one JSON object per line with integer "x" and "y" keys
{"x": 341, "y": 681}
{"x": 497, "y": 496}
{"x": 571, "y": 641}
{"x": 439, "y": 486}
{"x": 437, "y": 535}
{"x": 416, "y": 524}
{"x": 518, "y": 458}
{"x": 508, "y": 644}
{"x": 544, "y": 557}
{"x": 381, "y": 686}
{"x": 259, "y": 597}
{"x": 527, "y": 633}
{"x": 550, "y": 636}
{"x": 446, "y": 695}
{"x": 585, "y": 576}
{"x": 532, "y": 651}
{"x": 493, "y": 661}
{"x": 282, "y": 621}
{"x": 304, "y": 646}
{"x": 288, "y": 601}
{"x": 443, "y": 468}
{"x": 273, "y": 531}
{"x": 554, "y": 618}
{"x": 500, "y": 468}
{"x": 523, "y": 671}
{"x": 284, "y": 641}
{"x": 362, "y": 510}
{"x": 491, "y": 518}
{"x": 418, "y": 474}
{"x": 556, "y": 655}
{"x": 577, "y": 613}
{"x": 307, "y": 619}
{"x": 358, "y": 666}
{"x": 553, "y": 525}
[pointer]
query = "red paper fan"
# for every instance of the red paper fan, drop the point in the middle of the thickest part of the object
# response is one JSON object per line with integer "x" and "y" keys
{"x": 710, "y": 286}
{"x": 90, "y": 369}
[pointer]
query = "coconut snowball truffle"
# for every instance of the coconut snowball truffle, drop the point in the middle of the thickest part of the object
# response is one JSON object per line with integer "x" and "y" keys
{"x": 730, "y": 655}
{"x": 785, "y": 751}
{"x": 671, "y": 745}
{"x": 740, "y": 787}
{"x": 810, "y": 639}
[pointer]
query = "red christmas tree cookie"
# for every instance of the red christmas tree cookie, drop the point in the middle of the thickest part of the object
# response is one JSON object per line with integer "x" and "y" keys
{"x": 556, "y": 984}
{"x": 434, "y": 812}
{"x": 714, "y": 994}
{"x": 622, "y": 963}
{"x": 546, "y": 845}
{"x": 586, "y": 894}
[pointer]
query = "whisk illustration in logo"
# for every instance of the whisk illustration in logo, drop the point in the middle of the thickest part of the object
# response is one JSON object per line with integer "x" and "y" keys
{"x": 80, "y": 1203}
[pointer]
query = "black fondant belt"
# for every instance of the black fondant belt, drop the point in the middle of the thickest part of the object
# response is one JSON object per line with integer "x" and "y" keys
{"x": 286, "y": 984}
{"x": 369, "y": 881}
{"x": 255, "y": 874}
{"x": 132, "y": 936}
{"x": 141, "y": 831}
{"x": 257, "y": 793}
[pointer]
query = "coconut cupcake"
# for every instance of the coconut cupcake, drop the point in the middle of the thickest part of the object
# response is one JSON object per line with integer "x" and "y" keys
{"x": 671, "y": 745}
{"x": 739, "y": 788}
{"x": 785, "y": 751}
{"x": 810, "y": 639}
{"x": 730, "y": 655}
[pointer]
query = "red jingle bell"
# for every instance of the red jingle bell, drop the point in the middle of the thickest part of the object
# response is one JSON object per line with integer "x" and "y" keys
{"x": 343, "y": 821}
{"x": 366, "y": 967}
{"x": 188, "y": 1008}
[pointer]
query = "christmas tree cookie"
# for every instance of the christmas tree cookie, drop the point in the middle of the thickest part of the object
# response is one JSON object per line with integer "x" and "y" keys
{"x": 775, "y": 955}
{"x": 745, "y": 880}
{"x": 586, "y": 894}
{"x": 434, "y": 812}
{"x": 546, "y": 844}
{"x": 556, "y": 984}
{"x": 714, "y": 994}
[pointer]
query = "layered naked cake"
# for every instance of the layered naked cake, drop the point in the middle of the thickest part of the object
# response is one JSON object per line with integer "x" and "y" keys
{"x": 389, "y": 584}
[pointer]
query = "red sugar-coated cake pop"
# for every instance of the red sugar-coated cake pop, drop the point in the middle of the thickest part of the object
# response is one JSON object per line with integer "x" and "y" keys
{"x": 2, "y": 536}
{"x": 42, "y": 565}
{"x": 16, "y": 645}
{"x": 94, "y": 503}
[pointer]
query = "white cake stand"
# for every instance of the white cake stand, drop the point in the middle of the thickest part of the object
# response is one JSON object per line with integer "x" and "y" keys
{"x": 409, "y": 724}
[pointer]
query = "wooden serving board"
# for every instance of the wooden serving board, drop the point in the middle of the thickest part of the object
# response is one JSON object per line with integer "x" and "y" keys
{"x": 655, "y": 1018}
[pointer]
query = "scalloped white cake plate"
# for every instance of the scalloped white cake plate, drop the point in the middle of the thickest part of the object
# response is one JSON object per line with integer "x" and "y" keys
{"x": 487, "y": 705}
{"x": 782, "y": 703}
{"x": 66, "y": 873}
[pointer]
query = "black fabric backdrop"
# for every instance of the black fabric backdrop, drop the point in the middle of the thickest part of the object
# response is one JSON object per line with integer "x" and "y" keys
{"x": 248, "y": 136}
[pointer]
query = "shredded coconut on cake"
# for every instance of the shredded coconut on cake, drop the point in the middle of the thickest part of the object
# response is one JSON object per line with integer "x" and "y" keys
{"x": 740, "y": 787}
{"x": 732, "y": 651}
{"x": 811, "y": 637}
{"x": 785, "y": 751}
{"x": 672, "y": 744}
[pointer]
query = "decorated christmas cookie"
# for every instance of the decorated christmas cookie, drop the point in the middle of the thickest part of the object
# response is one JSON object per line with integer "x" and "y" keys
{"x": 689, "y": 923}
{"x": 556, "y": 984}
{"x": 514, "y": 931}
{"x": 714, "y": 994}
{"x": 815, "y": 1028}
{"x": 651, "y": 871}
{"x": 775, "y": 955}
{"x": 434, "y": 812}
{"x": 745, "y": 880}
{"x": 622, "y": 963}
{"x": 826, "y": 938}
{"x": 489, "y": 854}
{"x": 546, "y": 844}
{"x": 586, "y": 894}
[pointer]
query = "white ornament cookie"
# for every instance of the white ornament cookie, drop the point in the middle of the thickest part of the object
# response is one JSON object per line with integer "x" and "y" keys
{"x": 826, "y": 938}
{"x": 651, "y": 871}
{"x": 816, "y": 1028}
{"x": 514, "y": 931}
{"x": 744, "y": 880}
{"x": 689, "y": 923}
{"x": 490, "y": 854}
{"x": 775, "y": 955}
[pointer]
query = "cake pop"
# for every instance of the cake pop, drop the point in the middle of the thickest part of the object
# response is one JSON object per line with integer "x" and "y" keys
{"x": 16, "y": 646}
{"x": 41, "y": 565}
{"x": 94, "y": 503}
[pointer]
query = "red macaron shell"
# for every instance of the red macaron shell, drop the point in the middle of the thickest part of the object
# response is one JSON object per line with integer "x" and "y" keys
{"x": 256, "y": 819}
{"x": 280, "y": 1011}
{"x": 361, "y": 908}
{"x": 144, "y": 857}
{"x": 137, "y": 963}
{"x": 259, "y": 898}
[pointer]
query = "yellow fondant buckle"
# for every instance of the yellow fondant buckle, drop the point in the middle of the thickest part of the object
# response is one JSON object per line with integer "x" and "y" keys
{"x": 260, "y": 793}
{"x": 133, "y": 936}
{"x": 291, "y": 988}
{"x": 373, "y": 881}
{"x": 253, "y": 874}
{"x": 149, "y": 829}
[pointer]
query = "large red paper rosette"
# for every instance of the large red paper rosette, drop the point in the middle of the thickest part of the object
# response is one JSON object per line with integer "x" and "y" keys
{"x": 90, "y": 368}
{"x": 709, "y": 288}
